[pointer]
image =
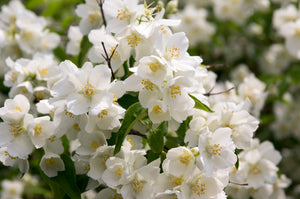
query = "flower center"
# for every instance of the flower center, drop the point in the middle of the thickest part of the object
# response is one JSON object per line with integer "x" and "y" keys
{"x": 137, "y": 186}
{"x": 95, "y": 145}
{"x": 133, "y": 40}
{"x": 148, "y": 85}
{"x": 122, "y": 14}
{"x": 102, "y": 114}
{"x": 88, "y": 90}
{"x": 175, "y": 90}
{"x": 131, "y": 141}
{"x": 153, "y": 66}
{"x": 215, "y": 149}
{"x": 157, "y": 109}
{"x": 255, "y": 169}
{"x": 37, "y": 129}
{"x": 186, "y": 157}
{"x": 94, "y": 17}
{"x": 119, "y": 172}
{"x": 174, "y": 52}
{"x": 18, "y": 108}
{"x": 176, "y": 181}
{"x": 199, "y": 189}
{"x": 16, "y": 129}
{"x": 50, "y": 161}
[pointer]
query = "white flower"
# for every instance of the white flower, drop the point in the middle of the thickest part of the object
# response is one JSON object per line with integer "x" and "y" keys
{"x": 51, "y": 163}
{"x": 179, "y": 161}
{"x": 75, "y": 36}
{"x": 11, "y": 189}
{"x": 120, "y": 13}
{"x": 116, "y": 169}
{"x": 140, "y": 183}
{"x": 258, "y": 164}
{"x": 108, "y": 193}
{"x": 8, "y": 160}
{"x": 96, "y": 37}
{"x": 194, "y": 24}
{"x": 90, "y": 142}
{"x": 253, "y": 89}
{"x": 88, "y": 89}
{"x": 285, "y": 15}
{"x": 14, "y": 128}
{"x": 90, "y": 16}
{"x": 40, "y": 130}
{"x": 242, "y": 124}
{"x": 107, "y": 119}
{"x": 199, "y": 186}
{"x": 15, "y": 109}
{"x": 291, "y": 32}
{"x": 97, "y": 162}
{"x": 216, "y": 151}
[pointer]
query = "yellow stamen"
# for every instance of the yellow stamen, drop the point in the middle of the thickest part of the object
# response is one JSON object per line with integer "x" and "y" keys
{"x": 157, "y": 109}
{"x": 37, "y": 129}
{"x": 88, "y": 90}
{"x": 16, "y": 129}
{"x": 133, "y": 40}
{"x": 175, "y": 90}
{"x": 50, "y": 161}
{"x": 102, "y": 114}
{"x": 94, "y": 17}
{"x": 76, "y": 127}
{"x": 69, "y": 114}
{"x": 215, "y": 149}
{"x": 174, "y": 52}
{"x": 95, "y": 145}
{"x": 199, "y": 189}
{"x": 148, "y": 85}
{"x": 119, "y": 172}
{"x": 186, "y": 157}
{"x": 154, "y": 66}
{"x": 18, "y": 108}
{"x": 176, "y": 181}
{"x": 131, "y": 141}
{"x": 122, "y": 14}
{"x": 44, "y": 71}
{"x": 137, "y": 186}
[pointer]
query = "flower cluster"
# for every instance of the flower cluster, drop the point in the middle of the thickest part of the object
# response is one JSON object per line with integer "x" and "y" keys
{"x": 139, "y": 116}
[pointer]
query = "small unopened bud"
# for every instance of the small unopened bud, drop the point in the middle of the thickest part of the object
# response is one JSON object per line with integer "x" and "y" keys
{"x": 172, "y": 7}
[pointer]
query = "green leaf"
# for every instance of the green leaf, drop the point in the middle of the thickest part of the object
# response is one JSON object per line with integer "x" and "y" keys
{"x": 200, "y": 105}
{"x": 127, "y": 100}
{"x": 151, "y": 156}
{"x": 85, "y": 45}
{"x": 65, "y": 181}
{"x": 132, "y": 115}
{"x": 184, "y": 126}
{"x": 60, "y": 54}
{"x": 156, "y": 137}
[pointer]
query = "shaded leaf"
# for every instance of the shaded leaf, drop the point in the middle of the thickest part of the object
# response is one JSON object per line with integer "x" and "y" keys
{"x": 132, "y": 115}
{"x": 156, "y": 137}
{"x": 200, "y": 105}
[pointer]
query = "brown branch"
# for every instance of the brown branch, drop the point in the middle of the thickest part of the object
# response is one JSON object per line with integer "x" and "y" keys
{"x": 218, "y": 93}
{"x": 134, "y": 132}
{"x": 108, "y": 58}
{"x": 100, "y": 3}
{"x": 236, "y": 183}
{"x": 216, "y": 65}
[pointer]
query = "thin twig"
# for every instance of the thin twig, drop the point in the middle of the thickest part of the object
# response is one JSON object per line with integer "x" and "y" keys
{"x": 216, "y": 65}
{"x": 218, "y": 93}
{"x": 134, "y": 132}
{"x": 108, "y": 58}
{"x": 100, "y": 3}
{"x": 241, "y": 184}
